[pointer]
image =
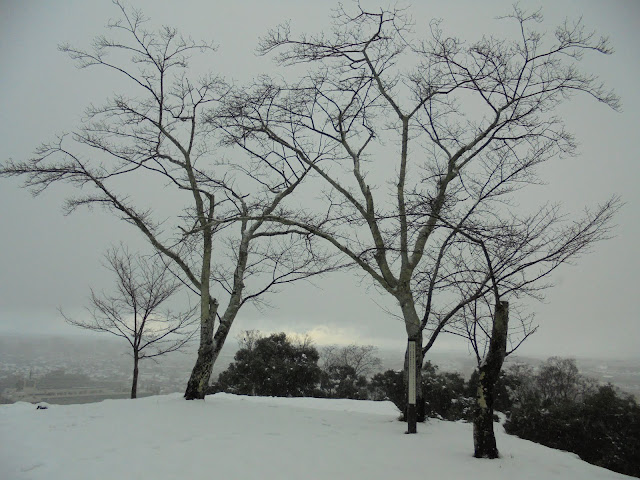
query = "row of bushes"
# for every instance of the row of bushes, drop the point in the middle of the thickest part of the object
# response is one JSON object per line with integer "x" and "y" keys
{"x": 600, "y": 425}
{"x": 554, "y": 406}
{"x": 279, "y": 365}
{"x": 282, "y": 366}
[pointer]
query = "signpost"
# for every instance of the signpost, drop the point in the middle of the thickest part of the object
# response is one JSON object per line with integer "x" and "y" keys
{"x": 411, "y": 408}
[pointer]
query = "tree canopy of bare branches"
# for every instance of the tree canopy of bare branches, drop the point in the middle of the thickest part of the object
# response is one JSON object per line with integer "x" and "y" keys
{"x": 362, "y": 358}
{"x": 420, "y": 144}
{"x": 154, "y": 136}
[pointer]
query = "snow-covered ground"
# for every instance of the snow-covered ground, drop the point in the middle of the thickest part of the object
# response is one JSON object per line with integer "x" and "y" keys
{"x": 232, "y": 437}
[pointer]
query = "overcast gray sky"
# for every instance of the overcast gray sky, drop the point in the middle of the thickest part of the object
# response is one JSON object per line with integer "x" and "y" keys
{"x": 48, "y": 260}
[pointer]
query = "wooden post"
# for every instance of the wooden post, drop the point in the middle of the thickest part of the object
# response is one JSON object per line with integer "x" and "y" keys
{"x": 412, "y": 380}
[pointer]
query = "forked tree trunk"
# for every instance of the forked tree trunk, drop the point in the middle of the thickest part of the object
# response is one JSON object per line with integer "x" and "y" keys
{"x": 201, "y": 373}
{"x": 484, "y": 440}
{"x": 210, "y": 344}
{"x": 219, "y": 338}
{"x": 134, "y": 381}
{"x": 207, "y": 356}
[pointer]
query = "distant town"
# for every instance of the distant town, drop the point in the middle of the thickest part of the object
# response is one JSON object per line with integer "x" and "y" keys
{"x": 82, "y": 369}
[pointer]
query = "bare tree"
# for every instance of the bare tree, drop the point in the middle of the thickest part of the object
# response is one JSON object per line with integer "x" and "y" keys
{"x": 154, "y": 135}
{"x": 143, "y": 286}
{"x": 518, "y": 257}
{"x": 559, "y": 380}
{"x": 362, "y": 358}
{"x": 453, "y": 136}
{"x": 247, "y": 339}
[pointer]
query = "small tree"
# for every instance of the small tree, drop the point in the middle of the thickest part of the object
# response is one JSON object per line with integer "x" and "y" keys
{"x": 342, "y": 381}
{"x": 276, "y": 365}
{"x": 362, "y": 358}
{"x": 558, "y": 380}
{"x": 143, "y": 286}
{"x": 388, "y": 385}
{"x": 444, "y": 394}
{"x": 503, "y": 258}
{"x": 345, "y": 370}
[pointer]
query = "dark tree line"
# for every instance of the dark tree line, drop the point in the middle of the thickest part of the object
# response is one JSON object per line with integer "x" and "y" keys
{"x": 560, "y": 408}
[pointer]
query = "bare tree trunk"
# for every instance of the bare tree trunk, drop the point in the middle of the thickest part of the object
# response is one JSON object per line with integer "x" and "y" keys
{"x": 207, "y": 356}
{"x": 201, "y": 373}
{"x": 219, "y": 338}
{"x": 210, "y": 344}
{"x": 484, "y": 440}
{"x": 134, "y": 381}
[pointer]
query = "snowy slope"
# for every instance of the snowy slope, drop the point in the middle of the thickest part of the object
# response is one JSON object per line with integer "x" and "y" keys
{"x": 232, "y": 437}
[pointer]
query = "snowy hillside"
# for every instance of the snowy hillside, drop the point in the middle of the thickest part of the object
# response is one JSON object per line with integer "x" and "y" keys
{"x": 231, "y": 437}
